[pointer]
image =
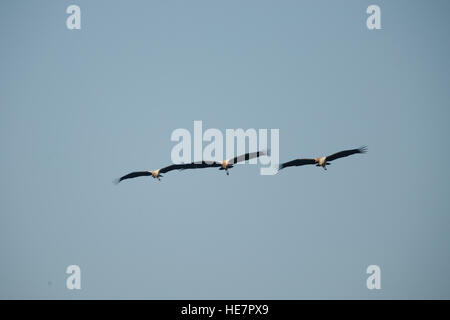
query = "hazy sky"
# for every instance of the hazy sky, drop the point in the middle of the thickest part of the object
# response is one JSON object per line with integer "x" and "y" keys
{"x": 80, "y": 108}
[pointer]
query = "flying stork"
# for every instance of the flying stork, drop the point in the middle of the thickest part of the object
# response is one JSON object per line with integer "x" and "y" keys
{"x": 322, "y": 161}
{"x": 228, "y": 164}
{"x": 157, "y": 174}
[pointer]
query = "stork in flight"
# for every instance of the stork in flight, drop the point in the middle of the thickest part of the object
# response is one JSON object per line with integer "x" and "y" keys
{"x": 157, "y": 174}
{"x": 222, "y": 165}
{"x": 323, "y": 161}
{"x": 228, "y": 164}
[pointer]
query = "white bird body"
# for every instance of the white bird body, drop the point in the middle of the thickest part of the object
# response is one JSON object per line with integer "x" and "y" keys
{"x": 224, "y": 164}
{"x": 321, "y": 161}
{"x": 155, "y": 173}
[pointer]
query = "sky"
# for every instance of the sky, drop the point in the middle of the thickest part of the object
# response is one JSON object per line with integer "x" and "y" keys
{"x": 80, "y": 108}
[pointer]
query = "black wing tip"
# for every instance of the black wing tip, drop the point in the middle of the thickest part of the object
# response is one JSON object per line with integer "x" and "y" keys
{"x": 363, "y": 149}
{"x": 116, "y": 181}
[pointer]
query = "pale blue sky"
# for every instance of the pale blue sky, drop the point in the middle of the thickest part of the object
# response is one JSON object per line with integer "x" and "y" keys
{"x": 81, "y": 108}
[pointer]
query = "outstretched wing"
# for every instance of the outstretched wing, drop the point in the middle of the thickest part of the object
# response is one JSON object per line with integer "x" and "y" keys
{"x": 134, "y": 175}
{"x": 203, "y": 164}
{"x": 171, "y": 167}
{"x": 346, "y": 153}
{"x": 247, "y": 156}
{"x": 296, "y": 163}
{"x": 191, "y": 165}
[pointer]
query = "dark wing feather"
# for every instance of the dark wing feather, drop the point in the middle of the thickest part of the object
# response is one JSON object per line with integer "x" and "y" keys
{"x": 203, "y": 164}
{"x": 192, "y": 165}
{"x": 134, "y": 175}
{"x": 171, "y": 167}
{"x": 296, "y": 163}
{"x": 346, "y": 153}
{"x": 246, "y": 157}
